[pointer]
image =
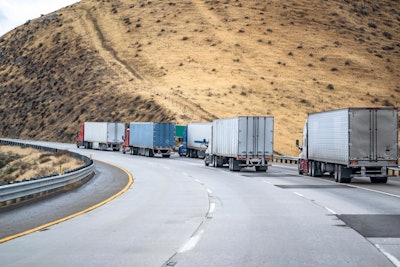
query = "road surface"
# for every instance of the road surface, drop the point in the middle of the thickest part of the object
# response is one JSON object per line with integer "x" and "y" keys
{"x": 180, "y": 213}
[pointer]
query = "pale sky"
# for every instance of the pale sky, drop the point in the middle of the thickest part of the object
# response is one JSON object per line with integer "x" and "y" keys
{"x": 16, "y": 12}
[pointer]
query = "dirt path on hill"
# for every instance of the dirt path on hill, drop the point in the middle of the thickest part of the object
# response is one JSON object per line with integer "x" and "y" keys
{"x": 130, "y": 76}
{"x": 123, "y": 70}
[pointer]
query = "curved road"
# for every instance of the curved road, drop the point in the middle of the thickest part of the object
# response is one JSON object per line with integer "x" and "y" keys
{"x": 108, "y": 183}
{"x": 181, "y": 213}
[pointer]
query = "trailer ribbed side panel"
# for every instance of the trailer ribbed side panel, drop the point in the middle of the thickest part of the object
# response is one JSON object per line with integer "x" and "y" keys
{"x": 328, "y": 136}
{"x": 364, "y": 136}
{"x": 141, "y": 134}
{"x": 225, "y": 137}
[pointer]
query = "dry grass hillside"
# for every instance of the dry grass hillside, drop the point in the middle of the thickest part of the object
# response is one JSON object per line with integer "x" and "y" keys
{"x": 22, "y": 163}
{"x": 197, "y": 60}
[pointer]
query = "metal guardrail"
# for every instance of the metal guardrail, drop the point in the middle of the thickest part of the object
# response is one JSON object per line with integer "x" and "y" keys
{"x": 286, "y": 159}
{"x": 42, "y": 186}
{"x": 394, "y": 171}
{"x": 20, "y": 191}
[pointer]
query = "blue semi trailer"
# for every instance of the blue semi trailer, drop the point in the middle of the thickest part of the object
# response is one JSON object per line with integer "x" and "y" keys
{"x": 150, "y": 139}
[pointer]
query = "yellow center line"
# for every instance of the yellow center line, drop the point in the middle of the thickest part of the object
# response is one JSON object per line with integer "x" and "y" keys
{"x": 130, "y": 182}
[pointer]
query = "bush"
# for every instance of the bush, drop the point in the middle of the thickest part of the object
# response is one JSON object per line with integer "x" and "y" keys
{"x": 44, "y": 160}
{"x": 330, "y": 87}
{"x": 387, "y": 35}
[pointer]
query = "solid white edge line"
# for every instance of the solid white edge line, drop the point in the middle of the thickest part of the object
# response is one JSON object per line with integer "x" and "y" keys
{"x": 373, "y": 190}
{"x": 330, "y": 210}
{"x": 298, "y": 194}
{"x": 192, "y": 242}
{"x": 392, "y": 258}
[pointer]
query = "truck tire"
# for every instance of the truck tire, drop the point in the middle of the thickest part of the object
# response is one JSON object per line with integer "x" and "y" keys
{"x": 316, "y": 169}
{"x": 312, "y": 171}
{"x": 309, "y": 168}
{"x": 299, "y": 168}
{"x": 343, "y": 175}
{"x": 219, "y": 161}
{"x": 335, "y": 173}
{"x": 375, "y": 180}
{"x": 212, "y": 161}
{"x": 261, "y": 168}
{"x": 234, "y": 165}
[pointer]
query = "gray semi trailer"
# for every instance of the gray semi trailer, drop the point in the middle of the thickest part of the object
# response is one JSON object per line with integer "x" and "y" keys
{"x": 244, "y": 141}
{"x": 348, "y": 143}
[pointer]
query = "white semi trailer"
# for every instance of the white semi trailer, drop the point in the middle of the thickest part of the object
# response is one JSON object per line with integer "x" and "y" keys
{"x": 101, "y": 135}
{"x": 352, "y": 142}
{"x": 196, "y": 138}
{"x": 245, "y": 141}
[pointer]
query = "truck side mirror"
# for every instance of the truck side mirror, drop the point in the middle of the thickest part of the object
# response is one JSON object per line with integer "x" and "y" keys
{"x": 298, "y": 144}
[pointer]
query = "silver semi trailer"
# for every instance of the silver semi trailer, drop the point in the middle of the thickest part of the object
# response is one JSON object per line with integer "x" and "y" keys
{"x": 101, "y": 135}
{"x": 352, "y": 142}
{"x": 244, "y": 141}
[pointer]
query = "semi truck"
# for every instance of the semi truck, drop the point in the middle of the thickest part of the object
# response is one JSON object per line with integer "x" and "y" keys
{"x": 244, "y": 141}
{"x": 150, "y": 139}
{"x": 101, "y": 135}
{"x": 195, "y": 140}
{"x": 351, "y": 142}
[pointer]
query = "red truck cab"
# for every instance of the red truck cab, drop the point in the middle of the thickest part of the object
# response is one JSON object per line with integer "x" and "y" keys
{"x": 125, "y": 144}
{"x": 80, "y": 137}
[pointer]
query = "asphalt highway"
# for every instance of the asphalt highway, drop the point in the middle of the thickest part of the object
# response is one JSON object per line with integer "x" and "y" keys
{"x": 179, "y": 212}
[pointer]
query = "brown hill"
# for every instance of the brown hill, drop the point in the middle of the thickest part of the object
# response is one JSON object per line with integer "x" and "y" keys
{"x": 197, "y": 60}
